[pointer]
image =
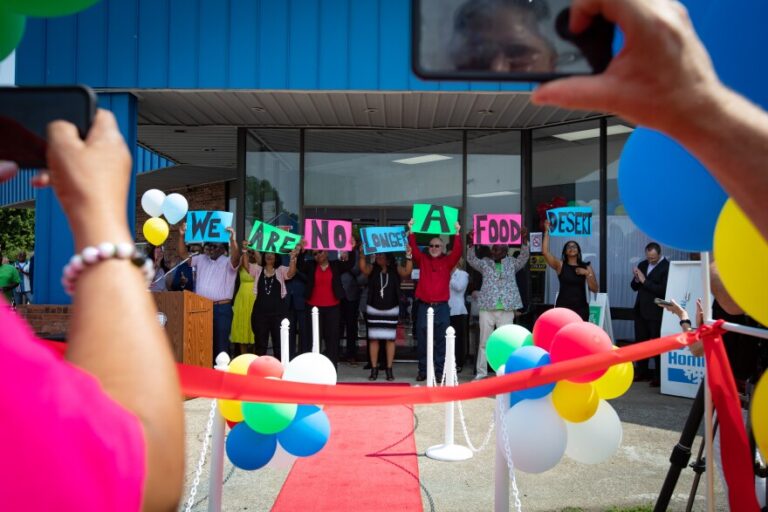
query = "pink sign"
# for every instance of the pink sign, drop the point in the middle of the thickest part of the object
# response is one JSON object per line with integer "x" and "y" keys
{"x": 497, "y": 228}
{"x": 331, "y": 235}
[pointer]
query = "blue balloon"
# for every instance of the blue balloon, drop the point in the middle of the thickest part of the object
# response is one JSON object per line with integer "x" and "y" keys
{"x": 248, "y": 449}
{"x": 526, "y": 358}
{"x": 668, "y": 194}
{"x": 308, "y": 432}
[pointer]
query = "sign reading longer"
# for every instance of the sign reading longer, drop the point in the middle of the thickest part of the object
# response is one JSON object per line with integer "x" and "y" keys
{"x": 267, "y": 238}
{"x": 205, "y": 226}
{"x": 497, "y": 228}
{"x": 383, "y": 239}
{"x": 333, "y": 235}
{"x": 570, "y": 221}
{"x": 435, "y": 220}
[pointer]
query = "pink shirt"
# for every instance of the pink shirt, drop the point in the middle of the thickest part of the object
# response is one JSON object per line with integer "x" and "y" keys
{"x": 214, "y": 279}
{"x": 66, "y": 444}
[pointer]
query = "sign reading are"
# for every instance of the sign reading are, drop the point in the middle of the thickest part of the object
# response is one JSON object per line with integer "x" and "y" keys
{"x": 383, "y": 239}
{"x": 207, "y": 226}
{"x": 497, "y": 228}
{"x": 331, "y": 235}
{"x": 434, "y": 220}
{"x": 570, "y": 221}
{"x": 267, "y": 238}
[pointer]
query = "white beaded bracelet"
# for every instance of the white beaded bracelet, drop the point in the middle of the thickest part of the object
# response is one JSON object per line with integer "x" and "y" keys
{"x": 105, "y": 251}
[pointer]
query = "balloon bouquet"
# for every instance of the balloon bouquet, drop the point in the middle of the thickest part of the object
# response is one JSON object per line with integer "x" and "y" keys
{"x": 274, "y": 434}
{"x": 570, "y": 417}
{"x": 155, "y": 203}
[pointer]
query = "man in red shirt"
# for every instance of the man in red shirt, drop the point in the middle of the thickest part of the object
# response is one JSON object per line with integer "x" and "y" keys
{"x": 432, "y": 292}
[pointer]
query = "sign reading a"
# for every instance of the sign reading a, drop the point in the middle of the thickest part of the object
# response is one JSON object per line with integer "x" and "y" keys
{"x": 570, "y": 221}
{"x": 267, "y": 238}
{"x": 497, "y": 228}
{"x": 383, "y": 239}
{"x": 434, "y": 220}
{"x": 205, "y": 226}
{"x": 332, "y": 235}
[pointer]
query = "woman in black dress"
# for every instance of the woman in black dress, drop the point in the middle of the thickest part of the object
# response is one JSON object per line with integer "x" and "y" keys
{"x": 383, "y": 307}
{"x": 572, "y": 272}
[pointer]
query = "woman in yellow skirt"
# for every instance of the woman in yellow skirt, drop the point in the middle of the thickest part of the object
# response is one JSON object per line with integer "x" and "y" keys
{"x": 241, "y": 334}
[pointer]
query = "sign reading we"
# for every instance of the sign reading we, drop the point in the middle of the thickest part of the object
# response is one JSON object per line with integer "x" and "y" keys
{"x": 570, "y": 221}
{"x": 267, "y": 238}
{"x": 332, "y": 235}
{"x": 383, "y": 239}
{"x": 497, "y": 228}
{"x": 434, "y": 220}
{"x": 206, "y": 226}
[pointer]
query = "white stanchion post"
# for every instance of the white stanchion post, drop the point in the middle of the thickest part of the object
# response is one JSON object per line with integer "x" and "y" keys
{"x": 708, "y": 407}
{"x": 430, "y": 347}
{"x": 501, "y": 469}
{"x": 315, "y": 330}
{"x": 285, "y": 355}
{"x": 216, "y": 475}
{"x": 449, "y": 451}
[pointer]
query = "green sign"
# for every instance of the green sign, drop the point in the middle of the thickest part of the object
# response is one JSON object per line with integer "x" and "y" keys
{"x": 594, "y": 314}
{"x": 435, "y": 220}
{"x": 266, "y": 238}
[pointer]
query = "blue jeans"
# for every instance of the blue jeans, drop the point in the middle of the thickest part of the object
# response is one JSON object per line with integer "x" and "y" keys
{"x": 222, "y": 324}
{"x": 442, "y": 322}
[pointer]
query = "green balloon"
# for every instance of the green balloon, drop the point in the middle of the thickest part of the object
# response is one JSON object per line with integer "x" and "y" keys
{"x": 505, "y": 340}
{"x": 11, "y": 30}
{"x": 47, "y": 8}
{"x": 268, "y": 418}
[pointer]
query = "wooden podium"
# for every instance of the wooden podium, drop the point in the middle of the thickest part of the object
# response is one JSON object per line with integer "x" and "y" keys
{"x": 190, "y": 326}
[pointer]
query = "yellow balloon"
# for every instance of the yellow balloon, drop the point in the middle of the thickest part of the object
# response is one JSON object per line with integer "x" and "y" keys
{"x": 240, "y": 364}
{"x": 735, "y": 239}
{"x": 575, "y": 402}
{"x": 155, "y": 230}
{"x": 231, "y": 410}
{"x": 616, "y": 381}
{"x": 759, "y": 415}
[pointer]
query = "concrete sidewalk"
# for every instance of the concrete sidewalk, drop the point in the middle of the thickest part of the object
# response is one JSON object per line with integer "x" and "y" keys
{"x": 633, "y": 477}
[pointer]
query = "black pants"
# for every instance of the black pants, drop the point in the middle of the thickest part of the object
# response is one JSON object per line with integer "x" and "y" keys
{"x": 459, "y": 324}
{"x": 647, "y": 329}
{"x": 350, "y": 312}
{"x": 266, "y": 326}
{"x": 299, "y": 330}
{"x": 329, "y": 329}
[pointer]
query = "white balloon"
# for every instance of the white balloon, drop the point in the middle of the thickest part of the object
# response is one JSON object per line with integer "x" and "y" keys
{"x": 311, "y": 368}
{"x": 597, "y": 439}
{"x": 537, "y": 435}
{"x": 152, "y": 202}
{"x": 281, "y": 459}
{"x": 175, "y": 207}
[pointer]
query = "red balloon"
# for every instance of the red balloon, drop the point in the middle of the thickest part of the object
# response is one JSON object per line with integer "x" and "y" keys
{"x": 578, "y": 340}
{"x": 549, "y": 323}
{"x": 266, "y": 366}
{"x": 231, "y": 424}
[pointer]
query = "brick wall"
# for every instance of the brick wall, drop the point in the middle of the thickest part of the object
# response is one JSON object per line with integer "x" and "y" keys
{"x": 46, "y": 320}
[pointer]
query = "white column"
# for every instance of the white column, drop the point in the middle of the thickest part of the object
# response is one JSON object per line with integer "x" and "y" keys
{"x": 315, "y": 330}
{"x": 216, "y": 476}
{"x": 501, "y": 470}
{"x": 285, "y": 355}
{"x": 430, "y": 347}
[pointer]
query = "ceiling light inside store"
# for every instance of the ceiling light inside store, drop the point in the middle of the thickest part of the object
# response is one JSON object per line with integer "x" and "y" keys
{"x": 423, "y": 159}
{"x": 258, "y": 109}
{"x": 498, "y": 193}
{"x": 370, "y": 110}
{"x": 593, "y": 133}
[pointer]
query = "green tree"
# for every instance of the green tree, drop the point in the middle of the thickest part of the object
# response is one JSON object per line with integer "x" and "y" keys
{"x": 17, "y": 231}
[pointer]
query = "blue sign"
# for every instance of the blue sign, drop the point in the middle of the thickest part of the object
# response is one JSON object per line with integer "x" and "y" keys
{"x": 684, "y": 367}
{"x": 203, "y": 226}
{"x": 380, "y": 239}
{"x": 570, "y": 221}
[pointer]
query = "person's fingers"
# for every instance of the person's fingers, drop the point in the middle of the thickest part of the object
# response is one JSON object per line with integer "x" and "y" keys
{"x": 41, "y": 179}
{"x": 7, "y": 170}
{"x": 104, "y": 128}
{"x": 63, "y": 135}
{"x": 575, "y": 93}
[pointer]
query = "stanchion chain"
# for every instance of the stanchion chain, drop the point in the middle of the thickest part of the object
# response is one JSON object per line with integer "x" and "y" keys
{"x": 201, "y": 461}
{"x": 463, "y": 421}
{"x": 508, "y": 457}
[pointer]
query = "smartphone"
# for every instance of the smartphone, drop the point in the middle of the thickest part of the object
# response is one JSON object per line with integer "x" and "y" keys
{"x": 26, "y": 111}
{"x": 662, "y": 302}
{"x": 505, "y": 40}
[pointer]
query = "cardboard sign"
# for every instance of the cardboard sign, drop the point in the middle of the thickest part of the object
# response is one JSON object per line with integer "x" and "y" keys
{"x": 434, "y": 220}
{"x": 383, "y": 239}
{"x": 570, "y": 221}
{"x": 497, "y": 228}
{"x": 205, "y": 226}
{"x": 332, "y": 235}
{"x": 267, "y": 238}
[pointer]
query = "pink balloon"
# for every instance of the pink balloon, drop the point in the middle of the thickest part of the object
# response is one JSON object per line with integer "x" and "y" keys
{"x": 577, "y": 340}
{"x": 549, "y": 323}
{"x": 266, "y": 366}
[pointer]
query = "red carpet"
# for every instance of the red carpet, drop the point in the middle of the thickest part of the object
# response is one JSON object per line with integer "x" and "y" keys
{"x": 369, "y": 463}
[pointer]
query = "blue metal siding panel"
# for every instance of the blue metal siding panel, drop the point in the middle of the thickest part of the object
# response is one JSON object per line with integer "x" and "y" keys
{"x": 303, "y": 44}
{"x": 243, "y": 45}
{"x": 31, "y": 53}
{"x": 153, "y": 43}
{"x": 17, "y": 190}
{"x": 273, "y": 45}
{"x": 364, "y": 44}
{"x": 333, "y": 45}
{"x": 394, "y": 43}
{"x": 183, "y": 45}
{"x": 214, "y": 40}
{"x": 60, "y": 47}
{"x": 122, "y": 36}
{"x": 92, "y": 45}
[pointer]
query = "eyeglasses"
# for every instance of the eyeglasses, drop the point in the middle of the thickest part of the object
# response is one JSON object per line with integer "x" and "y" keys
{"x": 435, "y": 246}
{"x": 315, "y": 253}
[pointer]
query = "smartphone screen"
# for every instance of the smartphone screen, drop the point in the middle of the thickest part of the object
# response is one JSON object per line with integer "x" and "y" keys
{"x": 524, "y": 40}
{"x": 26, "y": 111}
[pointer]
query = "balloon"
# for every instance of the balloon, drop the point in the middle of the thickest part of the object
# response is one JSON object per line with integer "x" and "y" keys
{"x": 231, "y": 410}
{"x": 575, "y": 402}
{"x": 311, "y": 368}
{"x": 650, "y": 158}
{"x": 155, "y": 230}
{"x": 525, "y": 358}
{"x": 758, "y": 413}
{"x": 537, "y": 435}
{"x": 241, "y": 363}
{"x": 549, "y": 323}
{"x": 152, "y": 202}
{"x": 48, "y": 8}
{"x": 595, "y": 440}
{"x": 231, "y": 424}
{"x": 616, "y": 381}
{"x": 577, "y": 340}
{"x": 308, "y": 433}
{"x": 736, "y": 236}
{"x": 248, "y": 449}
{"x": 174, "y": 208}
{"x": 505, "y": 340}
{"x": 11, "y": 30}
{"x": 266, "y": 366}
{"x": 281, "y": 459}
{"x": 268, "y": 418}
